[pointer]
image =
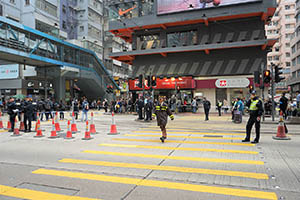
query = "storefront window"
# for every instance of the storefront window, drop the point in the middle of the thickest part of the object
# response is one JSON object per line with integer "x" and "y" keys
{"x": 148, "y": 42}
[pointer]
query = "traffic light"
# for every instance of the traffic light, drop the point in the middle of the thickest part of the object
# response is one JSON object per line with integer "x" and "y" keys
{"x": 250, "y": 88}
{"x": 140, "y": 84}
{"x": 256, "y": 77}
{"x": 109, "y": 89}
{"x": 278, "y": 71}
{"x": 149, "y": 81}
{"x": 153, "y": 81}
{"x": 267, "y": 76}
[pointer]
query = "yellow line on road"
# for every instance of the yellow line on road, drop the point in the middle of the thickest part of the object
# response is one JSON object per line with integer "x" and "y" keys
{"x": 161, "y": 184}
{"x": 186, "y": 132}
{"x": 191, "y": 137}
{"x": 168, "y": 168}
{"x": 35, "y": 195}
{"x": 2, "y": 131}
{"x": 199, "y": 159}
{"x": 179, "y": 148}
{"x": 186, "y": 142}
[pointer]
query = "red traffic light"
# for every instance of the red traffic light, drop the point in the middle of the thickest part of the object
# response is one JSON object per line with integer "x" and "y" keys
{"x": 267, "y": 73}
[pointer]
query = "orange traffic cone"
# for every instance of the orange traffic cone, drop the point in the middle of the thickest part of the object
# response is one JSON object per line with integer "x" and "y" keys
{"x": 281, "y": 135}
{"x": 1, "y": 122}
{"x": 39, "y": 131}
{"x": 8, "y": 125}
{"x": 87, "y": 135}
{"x": 92, "y": 125}
{"x": 69, "y": 132}
{"x": 113, "y": 127}
{"x": 37, "y": 119}
{"x": 53, "y": 132}
{"x": 22, "y": 127}
{"x": 73, "y": 125}
{"x": 16, "y": 129}
{"x": 57, "y": 126}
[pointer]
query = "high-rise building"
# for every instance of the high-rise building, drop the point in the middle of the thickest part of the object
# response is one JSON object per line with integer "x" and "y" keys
{"x": 294, "y": 80}
{"x": 282, "y": 28}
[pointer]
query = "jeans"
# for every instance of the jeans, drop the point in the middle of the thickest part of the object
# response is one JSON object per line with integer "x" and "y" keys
{"x": 194, "y": 109}
{"x": 84, "y": 115}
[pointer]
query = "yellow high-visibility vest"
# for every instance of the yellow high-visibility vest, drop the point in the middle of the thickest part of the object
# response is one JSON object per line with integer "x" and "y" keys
{"x": 253, "y": 105}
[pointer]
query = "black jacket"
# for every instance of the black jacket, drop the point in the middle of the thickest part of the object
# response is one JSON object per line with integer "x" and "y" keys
{"x": 28, "y": 109}
{"x": 206, "y": 105}
{"x": 11, "y": 107}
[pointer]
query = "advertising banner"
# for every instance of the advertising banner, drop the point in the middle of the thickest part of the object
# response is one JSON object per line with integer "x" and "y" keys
{"x": 171, "y": 6}
{"x": 168, "y": 83}
{"x": 9, "y": 71}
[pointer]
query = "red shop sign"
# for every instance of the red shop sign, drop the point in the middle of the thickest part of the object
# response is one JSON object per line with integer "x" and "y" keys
{"x": 182, "y": 83}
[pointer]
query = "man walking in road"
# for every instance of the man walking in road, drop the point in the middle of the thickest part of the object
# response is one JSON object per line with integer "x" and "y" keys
{"x": 283, "y": 103}
{"x": 28, "y": 114}
{"x": 206, "y": 106}
{"x": 85, "y": 109}
{"x": 255, "y": 107}
{"x": 162, "y": 112}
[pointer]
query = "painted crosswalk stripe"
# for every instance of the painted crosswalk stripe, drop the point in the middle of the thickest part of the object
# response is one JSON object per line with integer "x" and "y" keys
{"x": 36, "y": 195}
{"x": 190, "y": 137}
{"x": 199, "y": 159}
{"x": 168, "y": 168}
{"x": 186, "y": 142}
{"x": 161, "y": 184}
{"x": 178, "y": 148}
{"x": 187, "y": 132}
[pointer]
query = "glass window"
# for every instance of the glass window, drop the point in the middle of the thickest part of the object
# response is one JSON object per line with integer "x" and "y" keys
{"x": 298, "y": 60}
{"x": 288, "y": 64}
{"x": 294, "y": 62}
{"x": 287, "y": 44}
{"x": 81, "y": 28}
{"x": 27, "y": 2}
{"x": 287, "y": 54}
{"x": 287, "y": 7}
{"x": 269, "y": 58}
{"x": 287, "y": 16}
{"x": 181, "y": 38}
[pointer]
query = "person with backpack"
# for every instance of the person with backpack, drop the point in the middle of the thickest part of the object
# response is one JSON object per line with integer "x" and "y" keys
{"x": 85, "y": 110}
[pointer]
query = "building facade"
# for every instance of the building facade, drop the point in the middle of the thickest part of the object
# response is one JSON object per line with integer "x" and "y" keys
{"x": 179, "y": 40}
{"x": 80, "y": 22}
{"x": 294, "y": 81}
{"x": 282, "y": 28}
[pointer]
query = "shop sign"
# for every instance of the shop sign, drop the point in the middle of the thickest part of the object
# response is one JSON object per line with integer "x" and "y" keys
{"x": 30, "y": 84}
{"x": 36, "y": 91}
{"x": 9, "y": 71}
{"x": 168, "y": 83}
{"x": 232, "y": 83}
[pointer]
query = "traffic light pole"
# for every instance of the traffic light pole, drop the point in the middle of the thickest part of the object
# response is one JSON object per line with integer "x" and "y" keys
{"x": 272, "y": 93}
{"x": 263, "y": 88}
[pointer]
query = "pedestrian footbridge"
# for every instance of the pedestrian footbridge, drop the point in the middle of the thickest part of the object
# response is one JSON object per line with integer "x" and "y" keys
{"x": 24, "y": 45}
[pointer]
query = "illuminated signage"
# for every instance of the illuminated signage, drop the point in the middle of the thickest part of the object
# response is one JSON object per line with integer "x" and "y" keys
{"x": 170, "y": 6}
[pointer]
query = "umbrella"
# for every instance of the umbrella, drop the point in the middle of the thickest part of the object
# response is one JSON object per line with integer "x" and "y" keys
{"x": 19, "y": 96}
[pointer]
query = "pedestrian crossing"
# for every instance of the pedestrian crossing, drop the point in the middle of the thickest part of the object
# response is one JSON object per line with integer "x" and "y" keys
{"x": 190, "y": 144}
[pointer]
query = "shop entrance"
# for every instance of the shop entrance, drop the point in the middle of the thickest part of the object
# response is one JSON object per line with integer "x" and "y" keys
{"x": 221, "y": 94}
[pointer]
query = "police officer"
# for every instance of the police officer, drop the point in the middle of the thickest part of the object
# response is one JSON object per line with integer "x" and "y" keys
{"x": 255, "y": 107}
{"x": 28, "y": 114}
{"x": 219, "y": 107}
{"x": 161, "y": 112}
{"x": 12, "y": 112}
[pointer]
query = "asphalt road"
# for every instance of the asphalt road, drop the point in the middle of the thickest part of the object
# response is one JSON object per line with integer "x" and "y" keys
{"x": 200, "y": 160}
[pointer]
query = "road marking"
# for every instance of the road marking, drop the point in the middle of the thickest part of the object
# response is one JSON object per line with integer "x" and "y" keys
{"x": 2, "y": 131}
{"x": 168, "y": 168}
{"x": 161, "y": 184}
{"x": 199, "y": 159}
{"x": 185, "y": 132}
{"x": 186, "y": 142}
{"x": 35, "y": 195}
{"x": 190, "y": 137}
{"x": 178, "y": 148}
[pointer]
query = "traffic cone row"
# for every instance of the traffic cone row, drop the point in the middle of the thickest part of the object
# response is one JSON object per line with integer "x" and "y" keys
{"x": 1, "y": 122}
{"x": 71, "y": 128}
{"x": 281, "y": 133}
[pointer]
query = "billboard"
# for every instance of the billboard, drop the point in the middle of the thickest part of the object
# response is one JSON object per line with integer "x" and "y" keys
{"x": 170, "y": 6}
{"x": 9, "y": 71}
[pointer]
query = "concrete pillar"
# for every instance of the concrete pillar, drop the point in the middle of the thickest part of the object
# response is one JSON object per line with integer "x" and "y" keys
{"x": 60, "y": 88}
